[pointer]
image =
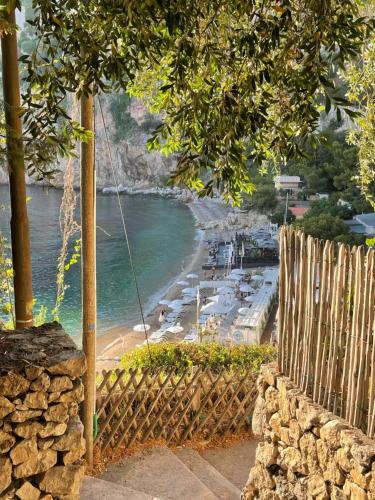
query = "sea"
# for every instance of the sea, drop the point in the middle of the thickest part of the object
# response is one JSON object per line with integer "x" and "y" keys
{"x": 162, "y": 238}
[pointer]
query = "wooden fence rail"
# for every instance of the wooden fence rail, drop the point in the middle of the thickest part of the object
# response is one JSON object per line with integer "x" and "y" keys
{"x": 137, "y": 405}
{"x": 326, "y": 324}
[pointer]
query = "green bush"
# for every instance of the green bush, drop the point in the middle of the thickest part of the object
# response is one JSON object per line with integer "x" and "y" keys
{"x": 210, "y": 355}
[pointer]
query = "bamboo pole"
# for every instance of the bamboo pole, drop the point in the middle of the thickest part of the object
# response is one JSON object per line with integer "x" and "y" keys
{"x": 88, "y": 224}
{"x": 19, "y": 224}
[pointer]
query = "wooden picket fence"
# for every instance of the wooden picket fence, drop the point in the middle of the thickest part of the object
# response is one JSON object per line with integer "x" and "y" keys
{"x": 326, "y": 324}
{"x": 137, "y": 405}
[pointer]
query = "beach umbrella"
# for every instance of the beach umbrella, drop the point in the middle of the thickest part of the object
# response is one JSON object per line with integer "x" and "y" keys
{"x": 164, "y": 302}
{"x": 141, "y": 328}
{"x": 243, "y": 310}
{"x": 239, "y": 271}
{"x": 192, "y": 276}
{"x": 182, "y": 283}
{"x": 235, "y": 277}
{"x": 189, "y": 291}
{"x": 246, "y": 288}
{"x": 176, "y": 304}
{"x": 256, "y": 277}
{"x": 215, "y": 298}
{"x": 188, "y": 299}
{"x": 225, "y": 289}
{"x": 249, "y": 298}
{"x": 175, "y": 329}
{"x": 215, "y": 308}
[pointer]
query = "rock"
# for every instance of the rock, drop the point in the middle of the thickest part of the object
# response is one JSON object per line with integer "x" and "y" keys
{"x": 353, "y": 491}
{"x": 42, "y": 383}
{"x": 272, "y": 400}
{"x": 28, "y": 430}
{"x": 7, "y": 427}
{"x": 267, "y": 374}
{"x": 75, "y": 453}
{"x": 326, "y": 458}
{"x": 8, "y": 494}
{"x": 291, "y": 459}
{"x": 72, "y": 437}
{"x": 284, "y": 435}
{"x": 59, "y": 384}
{"x": 295, "y": 432}
{"x": 44, "y": 444}
{"x": 261, "y": 478}
{"x": 336, "y": 493}
{"x": 6, "y": 441}
{"x": 36, "y": 400}
{"x": 6, "y": 407}
{"x": 331, "y": 433}
{"x": 71, "y": 363}
{"x": 21, "y": 416}
{"x": 33, "y": 372}
{"x": 41, "y": 462}
{"x": 308, "y": 415}
{"x": 73, "y": 409}
{"x": 5, "y": 473}
{"x": 266, "y": 454}
{"x": 52, "y": 429}
{"x": 316, "y": 487}
{"x": 28, "y": 492}
{"x": 363, "y": 453}
{"x": 53, "y": 396}
{"x": 275, "y": 423}
{"x": 56, "y": 413}
{"x": 24, "y": 450}
{"x": 62, "y": 480}
{"x": 343, "y": 459}
{"x": 307, "y": 445}
{"x": 362, "y": 480}
{"x": 349, "y": 437}
{"x": 259, "y": 417}
{"x": 76, "y": 395}
{"x": 13, "y": 384}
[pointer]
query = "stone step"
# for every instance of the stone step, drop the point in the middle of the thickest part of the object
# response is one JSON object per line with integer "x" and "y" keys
{"x": 158, "y": 472}
{"x": 233, "y": 462}
{"x": 98, "y": 489}
{"x": 211, "y": 477}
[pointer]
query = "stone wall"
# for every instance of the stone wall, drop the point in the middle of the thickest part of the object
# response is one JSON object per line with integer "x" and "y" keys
{"x": 305, "y": 452}
{"x": 41, "y": 435}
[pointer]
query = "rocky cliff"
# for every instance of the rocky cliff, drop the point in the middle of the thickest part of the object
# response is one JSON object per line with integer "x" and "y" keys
{"x": 135, "y": 165}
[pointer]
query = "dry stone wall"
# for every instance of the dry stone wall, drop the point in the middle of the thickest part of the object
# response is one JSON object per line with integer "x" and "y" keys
{"x": 41, "y": 435}
{"x": 305, "y": 452}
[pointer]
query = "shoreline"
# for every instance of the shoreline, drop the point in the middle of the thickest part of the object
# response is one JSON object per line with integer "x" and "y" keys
{"x": 120, "y": 339}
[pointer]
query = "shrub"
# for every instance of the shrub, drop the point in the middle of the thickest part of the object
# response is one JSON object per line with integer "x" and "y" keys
{"x": 210, "y": 355}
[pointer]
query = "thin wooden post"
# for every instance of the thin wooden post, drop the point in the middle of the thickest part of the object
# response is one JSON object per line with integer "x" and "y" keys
{"x": 88, "y": 224}
{"x": 19, "y": 224}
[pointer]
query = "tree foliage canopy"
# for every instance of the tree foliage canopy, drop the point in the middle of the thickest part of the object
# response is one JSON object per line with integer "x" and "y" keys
{"x": 236, "y": 79}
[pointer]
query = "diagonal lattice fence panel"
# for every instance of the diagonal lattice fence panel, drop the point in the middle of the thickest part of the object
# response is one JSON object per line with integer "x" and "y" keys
{"x": 137, "y": 405}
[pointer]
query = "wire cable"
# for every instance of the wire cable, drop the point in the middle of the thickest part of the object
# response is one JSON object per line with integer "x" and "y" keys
{"x": 115, "y": 178}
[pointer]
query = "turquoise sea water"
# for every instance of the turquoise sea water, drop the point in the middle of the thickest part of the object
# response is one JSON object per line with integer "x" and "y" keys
{"x": 162, "y": 237}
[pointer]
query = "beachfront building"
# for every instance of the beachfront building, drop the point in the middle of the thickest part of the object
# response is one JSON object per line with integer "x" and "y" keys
{"x": 366, "y": 222}
{"x": 288, "y": 182}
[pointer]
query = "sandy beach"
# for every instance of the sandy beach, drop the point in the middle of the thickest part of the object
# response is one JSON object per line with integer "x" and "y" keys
{"x": 214, "y": 220}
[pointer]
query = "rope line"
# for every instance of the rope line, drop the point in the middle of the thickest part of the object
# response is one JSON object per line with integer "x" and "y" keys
{"x": 115, "y": 178}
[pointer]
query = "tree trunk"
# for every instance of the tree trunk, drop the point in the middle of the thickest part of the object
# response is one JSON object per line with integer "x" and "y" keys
{"x": 21, "y": 253}
{"x": 88, "y": 224}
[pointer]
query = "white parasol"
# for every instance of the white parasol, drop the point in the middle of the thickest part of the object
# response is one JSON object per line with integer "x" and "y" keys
{"x": 243, "y": 310}
{"x": 141, "y": 328}
{"x": 175, "y": 329}
{"x": 249, "y": 298}
{"x": 192, "y": 276}
{"x": 239, "y": 271}
{"x": 246, "y": 288}
{"x": 182, "y": 283}
{"x": 189, "y": 291}
{"x": 164, "y": 302}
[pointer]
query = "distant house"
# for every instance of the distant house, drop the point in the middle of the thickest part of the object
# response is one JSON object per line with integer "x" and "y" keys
{"x": 292, "y": 182}
{"x": 298, "y": 212}
{"x": 322, "y": 196}
{"x": 367, "y": 221}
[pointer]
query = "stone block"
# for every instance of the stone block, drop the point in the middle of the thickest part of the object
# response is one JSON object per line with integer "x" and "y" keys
{"x": 275, "y": 423}
{"x": 353, "y": 491}
{"x": 7, "y": 441}
{"x": 28, "y": 430}
{"x": 42, "y": 383}
{"x": 12, "y": 384}
{"x": 5, "y": 473}
{"x": 6, "y": 407}
{"x": 28, "y": 492}
{"x": 291, "y": 459}
{"x": 343, "y": 458}
{"x": 52, "y": 429}
{"x": 266, "y": 454}
{"x": 44, "y": 444}
{"x": 261, "y": 478}
{"x": 60, "y": 384}
{"x": 61, "y": 480}
{"x": 41, "y": 462}
{"x": 24, "y": 450}
{"x": 360, "y": 478}
{"x": 316, "y": 487}
{"x": 331, "y": 432}
{"x": 72, "y": 436}
{"x": 33, "y": 372}
{"x": 76, "y": 395}
{"x": 308, "y": 415}
{"x": 259, "y": 417}
{"x": 23, "y": 415}
{"x": 336, "y": 493}
{"x": 75, "y": 453}
{"x": 295, "y": 432}
{"x": 72, "y": 364}
{"x": 57, "y": 413}
{"x": 363, "y": 454}
{"x": 36, "y": 400}
{"x": 272, "y": 400}
{"x": 307, "y": 445}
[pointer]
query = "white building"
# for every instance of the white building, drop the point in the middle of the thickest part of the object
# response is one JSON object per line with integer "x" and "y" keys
{"x": 367, "y": 221}
{"x": 292, "y": 182}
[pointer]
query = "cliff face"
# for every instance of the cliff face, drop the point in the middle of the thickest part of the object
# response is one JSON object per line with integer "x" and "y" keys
{"x": 135, "y": 166}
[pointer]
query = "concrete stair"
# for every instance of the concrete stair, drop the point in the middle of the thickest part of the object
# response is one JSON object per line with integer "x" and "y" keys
{"x": 161, "y": 474}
